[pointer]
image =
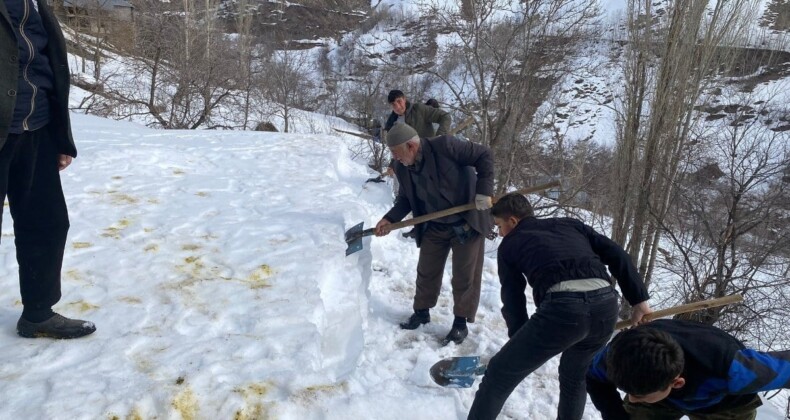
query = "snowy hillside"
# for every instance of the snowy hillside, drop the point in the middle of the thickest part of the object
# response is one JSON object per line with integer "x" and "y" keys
{"x": 213, "y": 265}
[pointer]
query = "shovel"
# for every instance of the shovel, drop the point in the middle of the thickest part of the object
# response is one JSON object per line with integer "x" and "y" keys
{"x": 355, "y": 234}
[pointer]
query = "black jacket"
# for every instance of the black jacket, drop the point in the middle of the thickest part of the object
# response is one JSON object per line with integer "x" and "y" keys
{"x": 552, "y": 250}
{"x": 59, "y": 123}
{"x": 460, "y": 170}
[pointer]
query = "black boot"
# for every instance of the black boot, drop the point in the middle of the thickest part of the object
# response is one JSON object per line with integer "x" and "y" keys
{"x": 57, "y": 326}
{"x": 419, "y": 317}
{"x": 456, "y": 335}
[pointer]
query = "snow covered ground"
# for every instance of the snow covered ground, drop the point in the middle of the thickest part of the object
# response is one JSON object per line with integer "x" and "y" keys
{"x": 213, "y": 265}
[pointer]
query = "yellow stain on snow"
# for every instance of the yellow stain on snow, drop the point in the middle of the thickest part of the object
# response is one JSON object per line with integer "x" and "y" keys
{"x": 82, "y": 306}
{"x": 190, "y": 247}
{"x": 74, "y": 274}
{"x": 81, "y": 245}
{"x": 186, "y": 404}
{"x": 130, "y": 299}
{"x": 253, "y": 409}
{"x": 260, "y": 277}
{"x": 133, "y": 415}
{"x": 115, "y": 231}
{"x": 151, "y": 248}
{"x": 314, "y": 392}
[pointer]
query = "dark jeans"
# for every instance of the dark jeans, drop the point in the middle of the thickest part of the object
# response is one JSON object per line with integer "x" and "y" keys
{"x": 468, "y": 253}
{"x": 664, "y": 411}
{"x": 576, "y": 324}
{"x": 29, "y": 177}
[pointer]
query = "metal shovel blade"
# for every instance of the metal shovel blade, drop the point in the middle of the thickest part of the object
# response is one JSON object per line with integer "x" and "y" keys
{"x": 457, "y": 372}
{"x": 354, "y": 239}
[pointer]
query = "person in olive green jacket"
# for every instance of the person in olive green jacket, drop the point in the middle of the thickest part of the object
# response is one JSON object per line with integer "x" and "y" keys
{"x": 419, "y": 116}
{"x": 35, "y": 144}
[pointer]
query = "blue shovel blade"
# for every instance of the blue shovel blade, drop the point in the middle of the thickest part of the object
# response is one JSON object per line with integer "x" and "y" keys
{"x": 457, "y": 372}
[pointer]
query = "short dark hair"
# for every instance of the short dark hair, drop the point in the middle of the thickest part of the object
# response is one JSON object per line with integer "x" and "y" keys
{"x": 432, "y": 102}
{"x": 394, "y": 94}
{"x": 512, "y": 204}
{"x": 643, "y": 360}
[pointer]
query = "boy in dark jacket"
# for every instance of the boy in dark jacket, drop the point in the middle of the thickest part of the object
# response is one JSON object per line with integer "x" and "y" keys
{"x": 672, "y": 368}
{"x": 565, "y": 263}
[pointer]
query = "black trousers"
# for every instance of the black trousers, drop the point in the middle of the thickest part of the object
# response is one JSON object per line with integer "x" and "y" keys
{"x": 576, "y": 324}
{"x": 30, "y": 179}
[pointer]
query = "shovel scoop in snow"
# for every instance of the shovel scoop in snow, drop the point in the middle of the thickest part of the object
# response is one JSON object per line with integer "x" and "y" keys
{"x": 457, "y": 372}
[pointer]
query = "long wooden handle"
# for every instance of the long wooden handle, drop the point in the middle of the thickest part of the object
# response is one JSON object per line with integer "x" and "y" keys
{"x": 465, "y": 123}
{"x": 682, "y": 309}
{"x": 466, "y": 207}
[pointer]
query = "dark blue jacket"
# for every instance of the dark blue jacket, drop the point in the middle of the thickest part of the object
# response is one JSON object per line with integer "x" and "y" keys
{"x": 55, "y": 51}
{"x": 720, "y": 372}
{"x": 31, "y": 111}
{"x": 552, "y": 250}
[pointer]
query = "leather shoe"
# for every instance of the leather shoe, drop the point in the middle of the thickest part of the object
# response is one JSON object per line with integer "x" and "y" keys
{"x": 456, "y": 335}
{"x": 56, "y": 327}
{"x": 415, "y": 320}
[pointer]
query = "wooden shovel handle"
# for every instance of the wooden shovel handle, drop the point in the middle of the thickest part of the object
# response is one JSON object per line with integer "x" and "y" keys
{"x": 682, "y": 309}
{"x": 465, "y": 207}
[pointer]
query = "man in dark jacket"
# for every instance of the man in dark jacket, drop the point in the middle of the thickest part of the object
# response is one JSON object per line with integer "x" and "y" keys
{"x": 565, "y": 262}
{"x": 436, "y": 174}
{"x": 35, "y": 143}
{"x": 672, "y": 368}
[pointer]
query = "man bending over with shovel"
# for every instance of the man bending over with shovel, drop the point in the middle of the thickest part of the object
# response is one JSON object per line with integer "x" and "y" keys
{"x": 436, "y": 174}
{"x": 672, "y": 368}
{"x": 565, "y": 263}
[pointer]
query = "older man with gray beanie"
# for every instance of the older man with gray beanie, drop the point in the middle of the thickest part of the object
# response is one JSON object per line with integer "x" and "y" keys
{"x": 436, "y": 174}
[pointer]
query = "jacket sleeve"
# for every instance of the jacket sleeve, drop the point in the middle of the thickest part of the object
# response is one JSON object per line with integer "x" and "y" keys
{"x": 441, "y": 117}
{"x": 402, "y": 206}
{"x": 754, "y": 371}
{"x": 620, "y": 265}
{"x": 468, "y": 153}
{"x": 603, "y": 393}
{"x": 514, "y": 300}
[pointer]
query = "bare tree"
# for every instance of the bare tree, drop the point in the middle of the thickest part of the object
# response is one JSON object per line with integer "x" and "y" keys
{"x": 287, "y": 83}
{"x": 730, "y": 229}
{"x": 650, "y": 145}
{"x": 180, "y": 83}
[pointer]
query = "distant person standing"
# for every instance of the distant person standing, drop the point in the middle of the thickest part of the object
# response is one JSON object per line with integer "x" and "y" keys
{"x": 419, "y": 116}
{"x": 436, "y": 174}
{"x": 36, "y": 143}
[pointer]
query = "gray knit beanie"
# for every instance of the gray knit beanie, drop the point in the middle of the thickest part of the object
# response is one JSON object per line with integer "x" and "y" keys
{"x": 399, "y": 134}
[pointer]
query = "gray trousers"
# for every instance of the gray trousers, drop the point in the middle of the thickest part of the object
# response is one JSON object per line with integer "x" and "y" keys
{"x": 437, "y": 241}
